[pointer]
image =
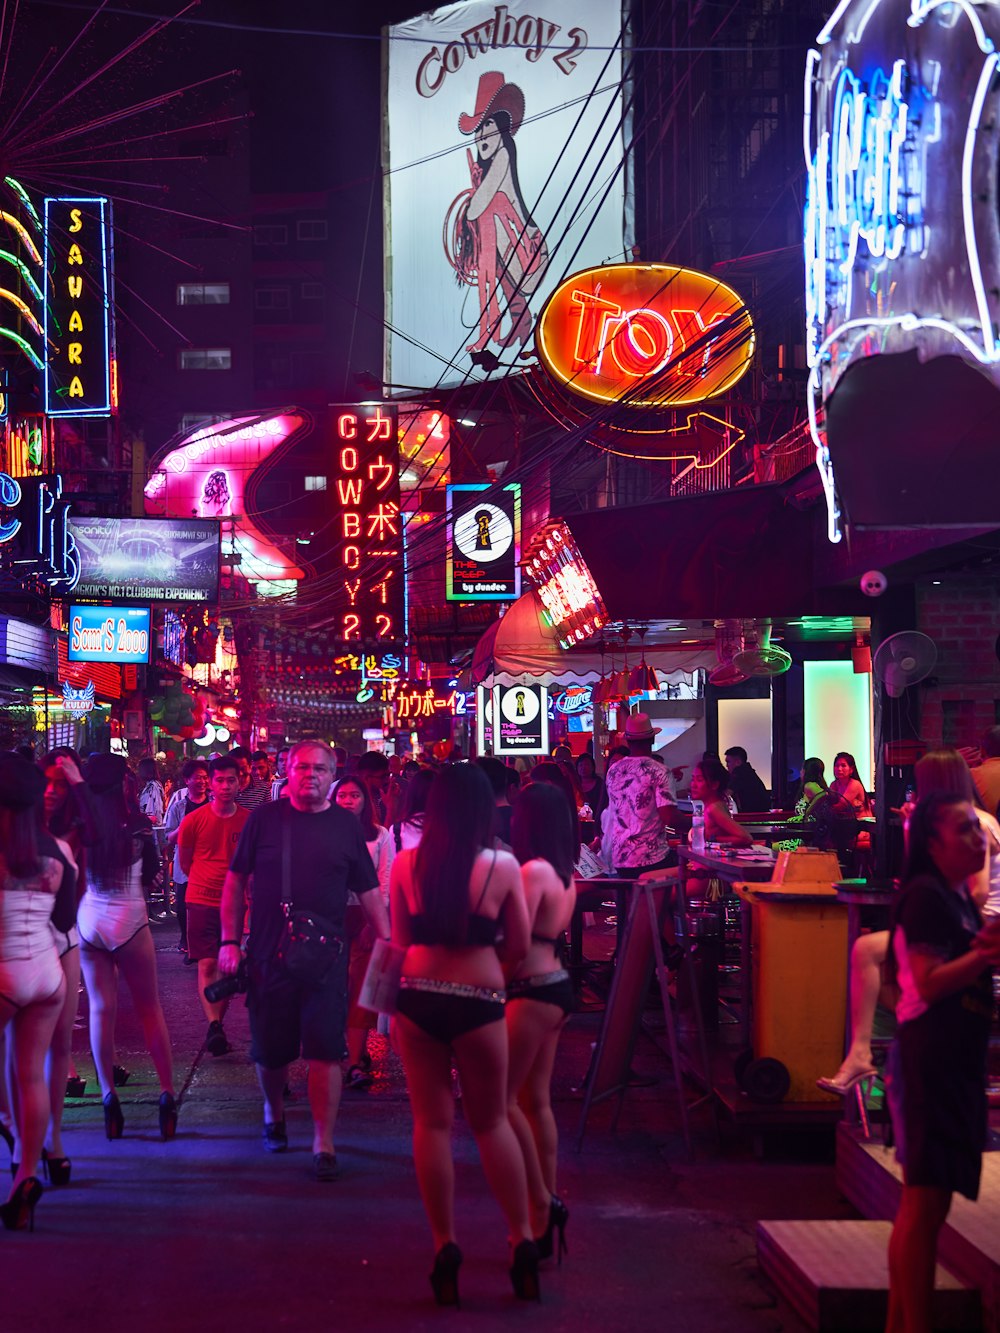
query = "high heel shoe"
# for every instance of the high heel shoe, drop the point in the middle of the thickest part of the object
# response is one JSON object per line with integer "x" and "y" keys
{"x": 444, "y": 1276}
{"x": 120, "y": 1075}
{"x": 57, "y": 1169}
{"x": 114, "y": 1121}
{"x": 842, "y": 1086}
{"x": 558, "y": 1217}
{"x": 168, "y": 1115}
{"x": 18, "y": 1213}
{"x": 524, "y": 1272}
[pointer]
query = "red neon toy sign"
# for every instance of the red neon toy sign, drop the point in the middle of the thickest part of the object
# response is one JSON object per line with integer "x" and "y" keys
{"x": 648, "y": 335}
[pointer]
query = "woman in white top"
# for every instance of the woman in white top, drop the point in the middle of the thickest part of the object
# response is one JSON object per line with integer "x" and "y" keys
{"x": 353, "y": 794}
{"x": 32, "y": 985}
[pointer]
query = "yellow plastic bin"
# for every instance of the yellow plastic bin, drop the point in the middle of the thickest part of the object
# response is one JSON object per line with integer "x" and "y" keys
{"x": 799, "y": 977}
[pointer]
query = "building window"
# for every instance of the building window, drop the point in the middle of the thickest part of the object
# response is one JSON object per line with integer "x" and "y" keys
{"x": 206, "y": 358}
{"x": 270, "y": 233}
{"x": 272, "y": 298}
{"x": 312, "y": 291}
{"x": 311, "y": 229}
{"x": 315, "y": 483}
{"x": 196, "y": 420}
{"x": 203, "y": 293}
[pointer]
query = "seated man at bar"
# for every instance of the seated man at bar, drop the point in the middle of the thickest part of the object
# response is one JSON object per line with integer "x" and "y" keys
{"x": 640, "y": 801}
{"x": 745, "y": 783}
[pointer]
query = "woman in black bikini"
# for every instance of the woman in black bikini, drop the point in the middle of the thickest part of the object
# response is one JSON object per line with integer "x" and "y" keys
{"x": 540, "y": 998}
{"x": 450, "y": 898}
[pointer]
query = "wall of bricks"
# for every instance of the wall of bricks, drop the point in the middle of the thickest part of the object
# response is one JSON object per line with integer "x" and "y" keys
{"x": 962, "y": 616}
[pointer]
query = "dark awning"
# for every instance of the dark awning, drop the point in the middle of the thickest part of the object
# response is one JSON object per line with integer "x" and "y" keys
{"x": 740, "y": 553}
{"x": 914, "y": 443}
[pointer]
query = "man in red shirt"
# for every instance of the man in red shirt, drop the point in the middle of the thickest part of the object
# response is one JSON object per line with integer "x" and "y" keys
{"x": 206, "y": 842}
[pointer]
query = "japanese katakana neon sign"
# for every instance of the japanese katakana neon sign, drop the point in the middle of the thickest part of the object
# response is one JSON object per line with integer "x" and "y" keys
{"x": 368, "y": 529}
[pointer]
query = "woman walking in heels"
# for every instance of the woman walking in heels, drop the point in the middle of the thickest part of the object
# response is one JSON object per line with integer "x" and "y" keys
{"x": 451, "y": 898}
{"x": 115, "y": 939}
{"x": 32, "y": 986}
{"x": 540, "y": 998}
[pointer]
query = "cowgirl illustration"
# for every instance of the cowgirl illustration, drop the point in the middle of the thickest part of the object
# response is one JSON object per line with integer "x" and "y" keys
{"x": 490, "y": 238}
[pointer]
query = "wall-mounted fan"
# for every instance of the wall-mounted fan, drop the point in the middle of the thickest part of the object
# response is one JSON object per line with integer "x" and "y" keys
{"x": 903, "y": 659}
{"x": 760, "y": 657}
{"x": 729, "y": 640}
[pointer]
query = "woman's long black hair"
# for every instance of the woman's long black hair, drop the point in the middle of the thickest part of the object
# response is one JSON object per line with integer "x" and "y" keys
{"x": 369, "y": 824}
{"x": 457, "y": 826}
{"x": 19, "y": 841}
{"x": 541, "y": 827}
{"x": 117, "y": 824}
{"x": 549, "y": 771}
{"x": 417, "y": 790}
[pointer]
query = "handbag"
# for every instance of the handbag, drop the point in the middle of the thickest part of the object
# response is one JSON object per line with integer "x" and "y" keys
{"x": 309, "y": 945}
{"x": 381, "y": 984}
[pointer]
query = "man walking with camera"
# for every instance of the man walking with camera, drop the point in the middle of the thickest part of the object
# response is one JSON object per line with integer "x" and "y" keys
{"x": 206, "y": 842}
{"x": 301, "y": 856}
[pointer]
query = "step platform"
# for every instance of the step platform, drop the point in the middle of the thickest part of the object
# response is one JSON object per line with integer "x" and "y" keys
{"x": 870, "y": 1178}
{"x": 835, "y": 1276}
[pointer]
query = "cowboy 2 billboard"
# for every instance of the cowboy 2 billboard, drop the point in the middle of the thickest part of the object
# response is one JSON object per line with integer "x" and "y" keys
{"x": 504, "y": 170}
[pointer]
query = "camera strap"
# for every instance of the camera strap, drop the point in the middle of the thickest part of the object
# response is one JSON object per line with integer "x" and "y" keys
{"x": 286, "y": 863}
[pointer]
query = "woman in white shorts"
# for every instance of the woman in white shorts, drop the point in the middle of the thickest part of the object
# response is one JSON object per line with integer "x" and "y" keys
{"x": 113, "y": 922}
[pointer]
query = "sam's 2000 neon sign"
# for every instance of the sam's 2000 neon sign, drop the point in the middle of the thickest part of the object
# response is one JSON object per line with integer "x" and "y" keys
{"x": 369, "y": 543}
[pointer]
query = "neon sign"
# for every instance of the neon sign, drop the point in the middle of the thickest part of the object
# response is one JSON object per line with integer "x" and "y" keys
{"x": 483, "y": 543}
{"x": 520, "y": 719}
{"x": 79, "y": 330}
{"x": 369, "y": 527}
{"x": 565, "y": 585}
{"x": 34, "y": 519}
{"x": 645, "y": 335}
{"x": 25, "y": 446}
{"x": 210, "y": 474}
{"x": 573, "y": 700}
{"x": 78, "y": 701}
{"x": 108, "y": 634}
{"x": 900, "y": 141}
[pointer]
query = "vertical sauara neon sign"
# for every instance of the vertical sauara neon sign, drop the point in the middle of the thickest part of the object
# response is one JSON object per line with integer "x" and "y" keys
{"x": 80, "y": 366}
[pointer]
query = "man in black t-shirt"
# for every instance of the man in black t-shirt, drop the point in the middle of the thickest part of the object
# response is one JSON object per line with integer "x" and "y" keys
{"x": 328, "y": 860}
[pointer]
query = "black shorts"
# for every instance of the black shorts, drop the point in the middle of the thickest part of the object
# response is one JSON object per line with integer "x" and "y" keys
{"x": 288, "y": 1019}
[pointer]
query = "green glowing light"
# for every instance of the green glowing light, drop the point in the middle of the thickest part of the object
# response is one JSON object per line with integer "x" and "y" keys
{"x": 22, "y": 268}
{"x": 25, "y": 347}
{"x": 838, "y": 716}
{"x": 22, "y": 194}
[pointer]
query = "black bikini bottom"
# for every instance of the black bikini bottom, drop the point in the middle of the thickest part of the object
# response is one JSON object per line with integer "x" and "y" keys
{"x": 446, "y": 1010}
{"x": 547, "y": 987}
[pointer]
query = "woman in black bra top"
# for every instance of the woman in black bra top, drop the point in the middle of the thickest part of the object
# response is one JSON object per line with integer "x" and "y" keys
{"x": 540, "y": 997}
{"x": 458, "y": 910}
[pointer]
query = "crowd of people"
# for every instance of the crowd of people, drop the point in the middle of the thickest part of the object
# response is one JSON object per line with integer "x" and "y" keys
{"x": 467, "y": 870}
{"x": 475, "y": 874}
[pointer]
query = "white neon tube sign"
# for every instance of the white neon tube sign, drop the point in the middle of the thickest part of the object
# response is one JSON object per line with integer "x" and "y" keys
{"x": 901, "y": 217}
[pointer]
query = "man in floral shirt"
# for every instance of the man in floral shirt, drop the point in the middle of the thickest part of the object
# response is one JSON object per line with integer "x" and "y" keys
{"x": 639, "y": 800}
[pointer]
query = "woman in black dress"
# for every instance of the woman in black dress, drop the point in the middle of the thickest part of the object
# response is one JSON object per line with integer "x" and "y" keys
{"x": 943, "y": 958}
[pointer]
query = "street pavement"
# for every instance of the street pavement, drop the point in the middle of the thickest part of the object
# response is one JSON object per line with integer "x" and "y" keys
{"x": 210, "y": 1232}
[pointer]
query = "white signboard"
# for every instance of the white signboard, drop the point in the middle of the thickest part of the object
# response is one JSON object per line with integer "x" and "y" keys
{"x": 504, "y": 143}
{"x": 902, "y": 242}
